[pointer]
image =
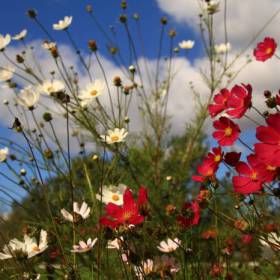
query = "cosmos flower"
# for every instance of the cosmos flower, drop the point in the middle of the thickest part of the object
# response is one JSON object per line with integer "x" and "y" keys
{"x": 4, "y": 41}
{"x": 190, "y": 214}
{"x": 115, "y": 244}
{"x": 63, "y": 24}
{"x": 127, "y": 214}
{"x": 269, "y": 150}
{"x": 220, "y": 102}
{"x": 114, "y": 136}
{"x": 28, "y": 248}
{"x": 50, "y": 87}
{"x": 28, "y": 97}
{"x": 144, "y": 269}
{"x": 20, "y": 36}
{"x": 84, "y": 246}
{"x": 239, "y": 101}
{"x": 170, "y": 245}
{"x": 265, "y": 49}
{"x": 113, "y": 194}
{"x": 48, "y": 45}
{"x": 227, "y": 132}
{"x": 83, "y": 212}
{"x": 211, "y": 7}
{"x": 6, "y": 73}
{"x": 222, "y": 48}
{"x": 186, "y": 45}
{"x": 91, "y": 91}
{"x": 3, "y": 154}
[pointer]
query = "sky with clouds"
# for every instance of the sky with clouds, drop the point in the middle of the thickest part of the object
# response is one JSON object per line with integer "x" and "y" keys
{"x": 244, "y": 20}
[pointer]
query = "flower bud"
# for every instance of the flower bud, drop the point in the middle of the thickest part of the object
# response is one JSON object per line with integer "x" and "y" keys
{"x": 163, "y": 20}
{"x": 132, "y": 69}
{"x": 89, "y": 8}
{"x": 123, "y": 18}
{"x": 267, "y": 93}
{"x": 48, "y": 154}
{"x": 19, "y": 58}
{"x": 117, "y": 81}
{"x": 47, "y": 117}
{"x": 32, "y": 13}
{"x": 22, "y": 172}
{"x": 92, "y": 45}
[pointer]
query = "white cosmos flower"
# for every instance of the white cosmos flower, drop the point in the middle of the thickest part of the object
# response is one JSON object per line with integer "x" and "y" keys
{"x": 83, "y": 246}
{"x": 63, "y": 24}
{"x": 4, "y": 41}
{"x": 115, "y": 244}
{"x": 169, "y": 245}
{"x": 6, "y": 73}
{"x": 51, "y": 86}
{"x": 113, "y": 194}
{"x": 91, "y": 91}
{"x": 273, "y": 241}
{"x": 28, "y": 97}
{"x": 222, "y": 48}
{"x": 48, "y": 45}
{"x": 20, "y": 36}
{"x": 145, "y": 269}
{"x": 29, "y": 247}
{"x": 84, "y": 212}
{"x": 186, "y": 45}
{"x": 3, "y": 154}
{"x": 211, "y": 7}
{"x": 114, "y": 136}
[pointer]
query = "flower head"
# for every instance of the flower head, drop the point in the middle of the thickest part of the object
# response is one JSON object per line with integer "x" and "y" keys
{"x": 20, "y": 36}
{"x": 211, "y": 7}
{"x": 170, "y": 245}
{"x": 82, "y": 212}
{"x": 28, "y": 97}
{"x": 63, "y": 24}
{"x": 91, "y": 91}
{"x": 48, "y": 45}
{"x": 4, "y": 41}
{"x": 84, "y": 246}
{"x": 127, "y": 214}
{"x": 186, "y": 45}
{"x": 50, "y": 87}
{"x": 265, "y": 49}
{"x": 3, "y": 154}
{"x": 227, "y": 132}
{"x": 190, "y": 214}
{"x": 114, "y": 136}
{"x": 222, "y": 48}
{"x": 28, "y": 248}
{"x": 115, "y": 244}
{"x": 146, "y": 268}
{"x": 6, "y": 74}
{"x": 113, "y": 194}
{"x": 220, "y": 104}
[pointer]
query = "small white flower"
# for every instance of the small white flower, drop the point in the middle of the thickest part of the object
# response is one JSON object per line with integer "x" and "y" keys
{"x": 30, "y": 247}
{"x": 4, "y": 41}
{"x": 28, "y": 97}
{"x": 83, "y": 246}
{"x": 91, "y": 91}
{"x": 145, "y": 269}
{"x": 115, "y": 244}
{"x": 48, "y": 45}
{"x": 211, "y": 7}
{"x": 51, "y": 86}
{"x": 222, "y": 48}
{"x": 6, "y": 73}
{"x": 63, "y": 24}
{"x": 168, "y": 178}
{"x": 169, "y": 245}
{"x": 112, "y": 194}
{"x": 84, "y": 212}
{"x": 186, "y": 45}
{"x": 114, "y": 136}
{"x": 3, "y": 154}
{"x": 20, "y": 36}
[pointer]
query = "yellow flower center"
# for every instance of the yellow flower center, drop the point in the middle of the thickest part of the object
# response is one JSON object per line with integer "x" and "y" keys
{"x": 115, "y": 197}
{"x": 270, "y": 168}
{"x": 35, "y": 249}
{"x": 50, "y": 89}
{"x": 254, "y": 176}
{"x": 114, "y": 138}
{"x": 228, "y": 131}
{"x": 268, "y": 51}
{"x": 93, "y": 92}
{"x": 217, "y": 158}
{"x": 127, "y": 215}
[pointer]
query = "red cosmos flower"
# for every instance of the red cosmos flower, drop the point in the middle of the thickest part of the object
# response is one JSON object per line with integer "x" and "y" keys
{"x": 232, "y": 158}
{"x": 227, "y": 131}
{"x": 190, "y": 215}
{"x": 128, "y": 213}
{"x": 269, "y": 150}
{"x": 246, "y": 238}
{"x": 239, "y": 101}
{"x": 249, "y": 179}
{"x": 209, "y": 165}
{"x": 220, "y": 105}
{"x": 265, "y": 49}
